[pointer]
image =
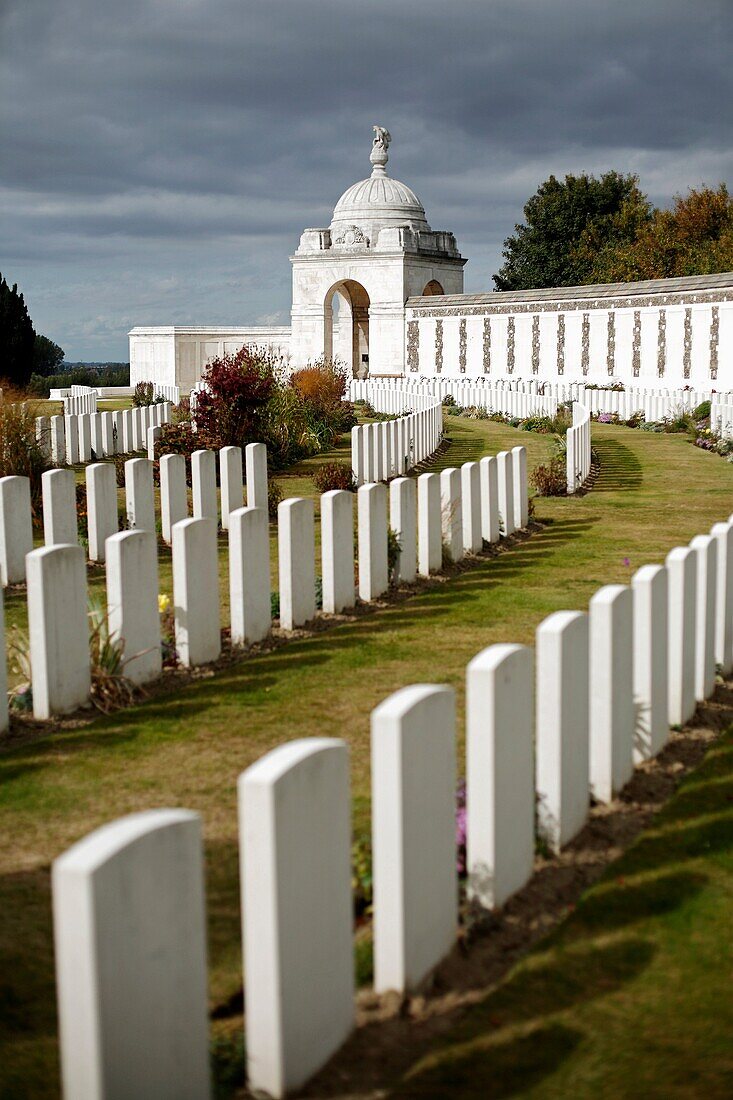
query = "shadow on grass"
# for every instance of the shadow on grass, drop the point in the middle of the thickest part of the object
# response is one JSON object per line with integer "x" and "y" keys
{"x": 620, "y": 469}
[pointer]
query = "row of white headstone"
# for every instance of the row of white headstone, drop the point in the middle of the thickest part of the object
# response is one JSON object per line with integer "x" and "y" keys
{"x": 507, "y": 400}
{"x": 607, "y": 683}
{"x": 455, "y": 510}
{"x": 83, "y": 437}
{"x": 82, "y": 399}
{"x": 578, "y": 448}
{"x": 387, "y": 449}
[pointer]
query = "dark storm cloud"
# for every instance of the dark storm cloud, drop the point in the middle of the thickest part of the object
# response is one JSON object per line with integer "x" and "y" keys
{"x": 161, "y": 157}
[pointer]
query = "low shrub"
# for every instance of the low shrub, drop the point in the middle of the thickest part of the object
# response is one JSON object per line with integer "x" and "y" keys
{"x": 448, "y": 401}
{"x": 274, "y": 497}
{"x": 334, "y": 475}
{"x": 550, "y": 479}
{"x": 702, "y": 412}
{"x": 145, "y": 395}
{"x": 21, "y": 454}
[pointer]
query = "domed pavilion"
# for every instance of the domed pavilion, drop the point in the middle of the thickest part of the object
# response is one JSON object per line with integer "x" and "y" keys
{"x": 351, "y": 281}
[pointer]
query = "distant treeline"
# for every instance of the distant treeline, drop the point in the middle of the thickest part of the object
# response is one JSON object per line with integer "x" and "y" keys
{"x": 80, "y": 374}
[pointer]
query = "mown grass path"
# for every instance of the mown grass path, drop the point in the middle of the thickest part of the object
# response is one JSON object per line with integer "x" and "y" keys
{"x": 653, "y": 492}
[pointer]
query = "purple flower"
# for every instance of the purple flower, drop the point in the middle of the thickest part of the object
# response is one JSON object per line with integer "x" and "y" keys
{"x": 627, "y": 561}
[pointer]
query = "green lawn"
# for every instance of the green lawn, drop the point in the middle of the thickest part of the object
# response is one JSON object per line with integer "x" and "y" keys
{"x": 631, "y": 996}
{"x": 653, "y": 492}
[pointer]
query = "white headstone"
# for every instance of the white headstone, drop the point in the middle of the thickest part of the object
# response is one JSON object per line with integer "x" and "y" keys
{"x": 196, "y": 591}
{"x": 16, "y": 528}
{"x": 706, "y": 548}
{"x": 57, "y": 629}
{"x": 249, "y": 575}
{"x": 723, "y": 533}
{"x": 451, "y": 510}
{"x": 59, "y": 507}
{"x": 651, "y": 728}
{"x": 130, "y": 945}
{"x": 403, "y": 521}
{"x": 429, "y": 535}
{"x": 255, "y": 456}
{"x": 296, "y": 562}
{"x": 562, "y": 746}
{"x": 413, "y": 834}
{"x": 295, "y": 840}
{"x": 337, "y": 550}
{"x": 505, "y": 479}
{"x": 520, "y": 488}
{"x": 132, "y": 602}
{"x": 139, "y": 494}
{"x": 231, "y": 482}
{"x": 102, "y": 517}
{"x": 499, "y": 773}
{"x": 682, "y": 591}
{"x": 173, "y": 493}
{"x": 372, "y": 538}
{"x": 611, "y": 690}
{"x": 203, "y": 478}
{"x": 489, "y": 498}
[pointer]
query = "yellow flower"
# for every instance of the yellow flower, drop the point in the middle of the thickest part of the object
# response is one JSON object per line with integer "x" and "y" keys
{"x": 164, "y": 603}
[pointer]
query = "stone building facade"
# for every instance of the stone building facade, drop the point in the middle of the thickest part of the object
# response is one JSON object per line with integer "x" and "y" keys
{"x": 383, "y": 292}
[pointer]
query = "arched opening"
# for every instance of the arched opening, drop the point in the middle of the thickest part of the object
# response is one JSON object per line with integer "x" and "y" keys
{"x": 433, "y": 287}
{"x": 346, "y": 326}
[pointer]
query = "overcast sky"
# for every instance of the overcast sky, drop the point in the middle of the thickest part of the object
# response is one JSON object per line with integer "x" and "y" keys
{"x": 159, "y": 158}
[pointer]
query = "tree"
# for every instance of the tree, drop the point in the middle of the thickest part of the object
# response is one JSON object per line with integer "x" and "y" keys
{"x": 564, "y": 223}
{"x": 17, "y": 337}
{"x": 47, "y": 356}
{"x": 695, "y": 237}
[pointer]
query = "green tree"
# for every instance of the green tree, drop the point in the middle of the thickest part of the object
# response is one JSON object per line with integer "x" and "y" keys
{"x": 564, "y": 223}
{"x": 47, "y": 356}
{"x": 694, "y": 237}
{"x": 17, "y": 337}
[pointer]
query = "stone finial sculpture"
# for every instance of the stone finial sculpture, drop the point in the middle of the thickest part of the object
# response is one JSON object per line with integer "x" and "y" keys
{"x": 379, "y": 155}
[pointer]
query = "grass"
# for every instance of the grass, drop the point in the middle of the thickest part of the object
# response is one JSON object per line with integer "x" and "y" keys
{"x": 631, "y": 995}
{"x": 653, "y": 492}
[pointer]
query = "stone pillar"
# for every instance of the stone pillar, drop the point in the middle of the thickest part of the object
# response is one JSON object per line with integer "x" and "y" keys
{"x": 102, "y": 518}
{"x": 132, "y": 602}
{"x": 173, "y": 493}
{"x": 372, "y": 524}
{"x": 611, "y": 690}
{"x": 337, "y": 550}
{"x": 489, "y": 499}
{"x": 230, "y": 482}
{"x": 403, "y": 521}
{"x": 16, "y": 528}
{"x": 520, "y": 487}
{"x": 196, "y": 591}
{"x": 451, "y": 512}
{"x": 59, "y": 507}
{"x": 723, "y": 534}
{"x": 471, "y": 507}
{"x": 295, "y": 841}
{"x": 429, "y": 538}
{"x": 139, "y": 495}
{"x": 296, "y": 562}
{"x": 413, "y": 834}
{"x": 130, "y": 946}
{"x": 562, "y": 751}
{"x": 499, "y": 773}
{"x": 681, "y": 614}
{"x": 203, "y": 478}
{"x": 57, "y": 628}
{"x": 649, "y": 587}
{"x": 255, "y": 455}
{"x": 249, "y": 575}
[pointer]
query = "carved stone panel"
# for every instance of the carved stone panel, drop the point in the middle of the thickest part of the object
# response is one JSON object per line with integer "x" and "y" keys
{"x": 687, "y": 347}
{"x": 561, "y": 343}
{"x": 661, "y": 342}
{"x": 487, "y": 345}
{"x": 714, "y": 338}
{"x": 438, "y": 346}
{"x": 413, "y": 345}
{"x": 510, "y": 346}
{"x": 636, "y": 344}
{"x": 585, "y": 344}
{"x": 536, "y": 344}
{"x": 611, "y": 343}
{"x": 462, "y": 345}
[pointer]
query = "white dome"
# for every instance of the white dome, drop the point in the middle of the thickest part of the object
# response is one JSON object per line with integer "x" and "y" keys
{"x": 379, "y": 201}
